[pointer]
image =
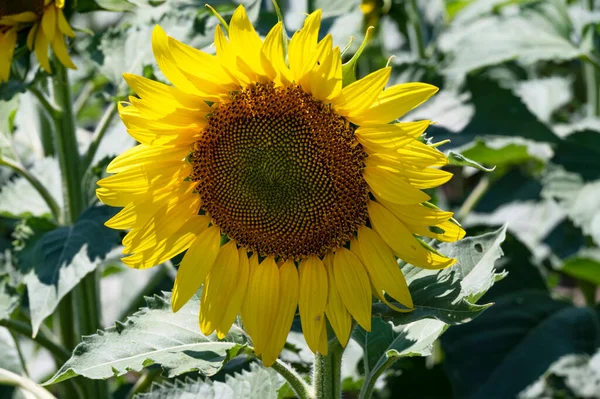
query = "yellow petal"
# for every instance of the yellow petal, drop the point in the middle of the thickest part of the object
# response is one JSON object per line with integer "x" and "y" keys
{"x": 288, "y": 302}
{"x": 392, "y": 186}
{"x": 354, "y": 286}
{"x": 401, "y": 241}
{"x": 63, "y": 25}
{"x": 303, "y": 44}
{"x": 8, "y": 40}
{"x": 246, "y": 313}
{"x": 41, "y": 50}
{"x": 262, "y": 303}
{"x": 60, "y": 49}
{"x": 166, "y": 62}
{"x": 451, "y": 231}
{"x": 156, "y": 92}
{"x": 272, "y": 54}
{"x": 218, "y": 288}
{"x": 420, "y": 154}
{"x": 166, "y": 249}
{"x": 336, "y": 311}
{"x": 389, "y": 137}
{"x": 146, "y": 155}
{"x": 394, "y": 102}
{"x": 236, "y": 297}
{"x": 49, "y": 22}
{"x": 361, "y": 94}
{"x": 421, "y": 178}
{"x": 417, "y": 214}
{"x": 312, "y": 300}
{"x": 166, "y": 221}
{"x": 195, "y": 266}
{"x": 244, "y": 40}
{"x": 381, "y": 265}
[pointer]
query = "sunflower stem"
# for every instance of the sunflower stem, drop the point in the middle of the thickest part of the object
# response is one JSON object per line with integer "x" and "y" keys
{"x": 473, "y": 198}
{"x": 300, "y": 387}
{"x": 590, "y": 74}
{"x": 327, "y": 373}
{"x": 84, "y": 297}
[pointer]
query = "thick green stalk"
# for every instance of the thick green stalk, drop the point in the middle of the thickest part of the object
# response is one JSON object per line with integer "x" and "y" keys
{"x": 590, "y": 75}
{"x": 46, "y": 133}
{"x": 85, "y": 296}
{"x": 327, "y": 376}
{"x": 66, "y": 146}
{"x": 99, "y": 133}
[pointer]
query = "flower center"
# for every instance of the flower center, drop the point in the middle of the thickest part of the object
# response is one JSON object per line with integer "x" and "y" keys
{"x": 281, "y": 173}
{"x": 11, "y": 7}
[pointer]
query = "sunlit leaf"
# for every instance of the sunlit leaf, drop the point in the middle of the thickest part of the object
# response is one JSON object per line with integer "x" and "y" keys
{"x": 55, "y": 261}
{"x": 154, "y": 335}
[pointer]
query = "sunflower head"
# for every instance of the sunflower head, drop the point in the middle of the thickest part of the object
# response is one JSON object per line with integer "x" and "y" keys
{"x": 48, "y": 28}
{"x": 289, "y": 190}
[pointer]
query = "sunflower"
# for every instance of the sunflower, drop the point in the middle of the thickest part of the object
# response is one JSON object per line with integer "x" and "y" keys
{"x": 288, "y": 190}
{"x": 48, "y": 29}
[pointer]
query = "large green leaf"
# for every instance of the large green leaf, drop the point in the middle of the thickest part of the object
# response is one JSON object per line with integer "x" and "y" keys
{"x": 386, "y": 341}
{"x": 504, "y": 151}
{"x": 540, "y": 32}
{"x": 55, "y": 261}
{"x": 512, "y": 344}
{"x": 154, "y": 335}
{"x": 256, "y": 383}
{"x": 440, "y": 297}
{"x": 544, "y": 96}
{"x": 449, "y": 295}
{"x": 585, "y": 265}
{"x": 515, "y": 120}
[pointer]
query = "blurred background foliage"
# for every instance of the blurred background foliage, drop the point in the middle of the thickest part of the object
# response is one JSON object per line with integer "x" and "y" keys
{"x": 520, "y": 91}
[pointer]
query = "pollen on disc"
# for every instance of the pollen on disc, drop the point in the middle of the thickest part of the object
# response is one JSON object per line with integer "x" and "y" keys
{"x": 281, "y": 173}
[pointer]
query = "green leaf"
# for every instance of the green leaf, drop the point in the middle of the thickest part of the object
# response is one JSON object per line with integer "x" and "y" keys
{"x": 461, "y": 160}
{"x": 514, "y": 342}
{"x": 516, "y": 120}
{"x": 449, "y": 295}
{"x": 571, "y": 376}
{"x": 386, "y": 341}
{"x": 505, "y": 151}
{"x": 539, "y": 32}
{"x": 154, "y": 335}
{"x": 585, "y": 266}
{"x": 256, "y": 383}
{"x": 9, "y": 300}
{"x": 55, "y": 261}
{"x": 19, "y": 199}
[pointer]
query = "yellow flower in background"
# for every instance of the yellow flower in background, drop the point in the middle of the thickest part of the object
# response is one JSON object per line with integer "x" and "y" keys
{"x": 48, "y": 29}
{"x": 286, "y": 189}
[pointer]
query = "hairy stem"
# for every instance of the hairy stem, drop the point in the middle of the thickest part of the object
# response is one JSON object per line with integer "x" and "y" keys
{"x": 300, "y": 387}
{"x": 10, "y": 378}
{"x": 327, "y": 377}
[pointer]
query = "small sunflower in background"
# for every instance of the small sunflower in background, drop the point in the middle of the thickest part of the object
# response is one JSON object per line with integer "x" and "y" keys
{"x": 288, "y": 189}
{"x": 48, "y": 28}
